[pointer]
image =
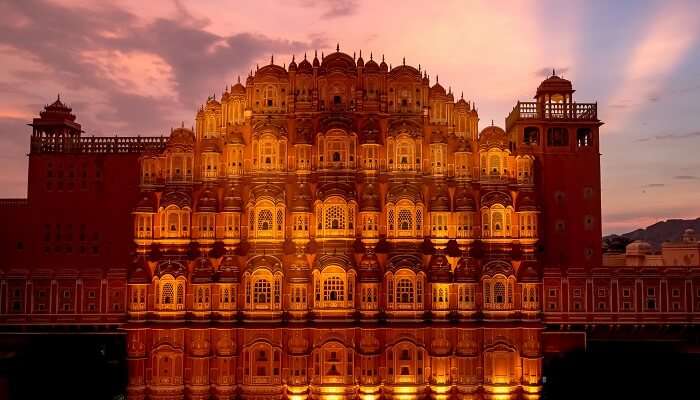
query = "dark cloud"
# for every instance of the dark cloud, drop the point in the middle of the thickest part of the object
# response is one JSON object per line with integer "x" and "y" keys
{"x": 332, "y": 8}
{"x": 546, "y": 72}
{"x": 671, "y": 136}
{"x": 202, "y": 62}
{"x": 687, "y": 177}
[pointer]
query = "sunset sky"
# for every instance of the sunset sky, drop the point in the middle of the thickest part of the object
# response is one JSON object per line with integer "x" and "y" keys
{"x": 145, "y": 66}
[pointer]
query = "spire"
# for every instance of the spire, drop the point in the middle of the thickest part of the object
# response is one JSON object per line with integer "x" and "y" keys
{"x": 382, "y": 57}
{"x": 370, "y": 55}
{"x": 418, "y": 67}
{"x": 337, "y": 47}
{"x": 322, "y": 56}
{"x": 304, "y": 55}
{"x": 272, "y": 59}
{"x": 292, "y": 57}
{"x": 404, "y": 61}
{"x": 360, "y": 53}
{"x": 239, "y": 79}
{"x": 554, "y": 73}
{"x": 353, "y": 55}
{"x": 437, "y": 78}
{"x": 491, "y": 122}
{"x": 462, "y": 95}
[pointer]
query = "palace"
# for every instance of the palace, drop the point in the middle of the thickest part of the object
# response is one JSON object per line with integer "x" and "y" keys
{"x": 332, "y": 229}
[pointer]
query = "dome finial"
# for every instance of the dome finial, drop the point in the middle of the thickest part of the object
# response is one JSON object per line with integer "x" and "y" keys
{"x": 491, "y": 122}
{"x": 353, "y": 56}
{"x": 437, "y": 78}
{"x": 239, "y": 79}
{"x": 404, "y": 61}
{"x": 304, "y": 55}
{"x": 554, "y": 73}
{"x": 418, "y": 67}
{"x": 58, "y": 97}
{"x": 272, "y": 59}
{"x": 382, "y": 57}
{"x": 293, "y": 55}
{"x": 337, "y": 47}
{"x": 360, "y": 53}
{"x": 370, "y": 55}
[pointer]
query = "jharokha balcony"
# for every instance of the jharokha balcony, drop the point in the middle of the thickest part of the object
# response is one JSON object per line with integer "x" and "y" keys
{"x": 562, "y": 111}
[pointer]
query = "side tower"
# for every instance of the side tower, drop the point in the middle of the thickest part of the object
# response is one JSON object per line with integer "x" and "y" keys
{"x": 563, "y": 137}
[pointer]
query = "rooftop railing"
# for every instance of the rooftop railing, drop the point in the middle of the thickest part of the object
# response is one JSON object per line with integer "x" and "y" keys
{"x": 552, "y": 111}
{"x": 95, "y": 144}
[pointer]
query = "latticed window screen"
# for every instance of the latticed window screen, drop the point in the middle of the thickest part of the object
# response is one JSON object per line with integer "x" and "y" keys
{"x": 390, "y": 217}
{"x": 265, "y": 220}
{"x": 280, "y": 219}
{"x": 278, "y": 290}
{"x": 404, "y": 291}
{"x": 499, "y": 293}
{"x": 261, "y": 291}
{"x": 419, "y": 219}
{"x": 335, "y": 218}
{"x": 405, "y": 220}
{"x": 167, "y": 294}
{"x": 333, "y": 289}
{"x": 419, "y": 289}
{"x": 180, "y": 294}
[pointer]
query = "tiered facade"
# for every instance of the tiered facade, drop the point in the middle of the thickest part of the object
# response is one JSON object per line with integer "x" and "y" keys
{"x": 297, "y": 242}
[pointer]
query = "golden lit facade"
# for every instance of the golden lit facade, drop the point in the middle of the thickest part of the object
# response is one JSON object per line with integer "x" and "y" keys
{"x": 331, "y": 229}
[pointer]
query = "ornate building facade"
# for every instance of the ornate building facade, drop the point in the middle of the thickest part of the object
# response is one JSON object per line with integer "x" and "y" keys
{"x": 332, "y": 229}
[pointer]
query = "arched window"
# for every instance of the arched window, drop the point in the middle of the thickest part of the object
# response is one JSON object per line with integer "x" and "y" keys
{"x": 269, "y": 99}
{"x": 404, "y": 291}
{"x": 167, "y": 294}
{"x": 531, "y": 135}
{"x": 499, "y": 293}
{"x": 333, "y": 289}
{"x": 584, "y": 137}
{"x": 262, "y": 290}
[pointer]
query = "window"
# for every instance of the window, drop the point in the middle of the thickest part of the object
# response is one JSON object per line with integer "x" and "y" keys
{"x": 557, "y": 137}
{"x": 531, "y": 135}
{"x": 583, "y": 137}
{"x": 261, "y": 291}
{"x": 333, "y": 289}
{"x": 404, "y": 291}
{"x": 167, "y": 296}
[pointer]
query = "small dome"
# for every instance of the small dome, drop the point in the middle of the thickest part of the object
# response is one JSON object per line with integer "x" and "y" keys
{"x": 316, "y": 63}
{"x": 299, "y": 270}
{"x": 139, "y": 273}
{"x": 638, "y": 248}
{"x": 382, "y": 66}
{"x": 210, "y": 146}
{"x": 440, "y": 270}
{"x": 305, "y": 67}
{"x": 292, "y": 65}
{"x": 369, "y": 268}
{"x": 554, "y": 84}
{"x": 461, "y": 106}
{"x": 238, "y": 89}
{"x": 232, "y": 199}
{"x": 235, "y": 137}
{"x": 181, "y": 136}
{"x": 370, "y": 198}
{"x": 467, "y": 270}
{"x": 464, "y": 201}
{"x": 493, "y": 135}
{"x": 437, "y": 91}
{"x": 207, "y": 201}
{"x": 147, "y": 203}
{"x": 529, "y": 271}
{"x": 202, "y": 271}
{"x": 440, "y": 200}
{"x": 360, "y": 61}
{"x": 229, "y": 270}
{"x": 463, "y": 146}
{"x": 371, "y": 66}
{"x": 526, "y": 202}
{"x": 437, "y": 137}
{"x": 301, "y": 201}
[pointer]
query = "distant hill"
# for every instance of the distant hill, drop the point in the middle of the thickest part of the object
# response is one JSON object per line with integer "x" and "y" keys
{"x": 656, "y": 234}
